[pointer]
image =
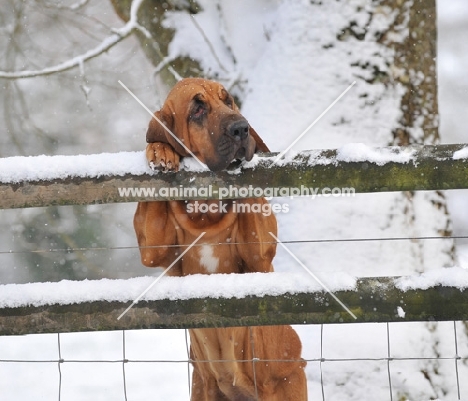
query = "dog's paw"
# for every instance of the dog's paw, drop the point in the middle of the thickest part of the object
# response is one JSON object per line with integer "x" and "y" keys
{"x": 162, "y": 156}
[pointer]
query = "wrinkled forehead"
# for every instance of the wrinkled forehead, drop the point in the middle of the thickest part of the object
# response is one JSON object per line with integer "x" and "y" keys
{"x": 184, "y": 92}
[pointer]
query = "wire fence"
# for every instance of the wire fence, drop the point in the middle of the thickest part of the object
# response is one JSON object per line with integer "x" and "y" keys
{"x": 329, "y": 375}
{"x": 328, "y": 371}
{"x": 304, "y": 241}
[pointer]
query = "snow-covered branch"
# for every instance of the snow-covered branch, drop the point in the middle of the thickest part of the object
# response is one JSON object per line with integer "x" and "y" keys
{"x": 118, "y": 35}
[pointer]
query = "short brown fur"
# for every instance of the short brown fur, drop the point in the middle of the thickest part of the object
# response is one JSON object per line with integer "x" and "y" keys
{"x": 205, "y": 118}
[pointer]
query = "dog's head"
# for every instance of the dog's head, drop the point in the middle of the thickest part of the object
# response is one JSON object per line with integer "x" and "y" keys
{"x": 204, "y": 117}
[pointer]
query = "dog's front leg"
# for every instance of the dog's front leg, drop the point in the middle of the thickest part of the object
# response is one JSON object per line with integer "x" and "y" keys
{"x": 162, "y": 156}
{"x": 255, "y": 245}
{"x": 155, "y": 230}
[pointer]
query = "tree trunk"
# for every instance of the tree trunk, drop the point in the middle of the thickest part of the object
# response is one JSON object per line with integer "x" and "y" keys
{"x": 151, "y": 16}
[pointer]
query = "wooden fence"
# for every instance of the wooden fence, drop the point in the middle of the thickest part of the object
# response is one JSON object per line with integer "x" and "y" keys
{"x": 412, "y": 168}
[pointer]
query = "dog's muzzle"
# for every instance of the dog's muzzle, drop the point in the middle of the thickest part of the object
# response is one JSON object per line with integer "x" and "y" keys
{"x": 234, "y": 143}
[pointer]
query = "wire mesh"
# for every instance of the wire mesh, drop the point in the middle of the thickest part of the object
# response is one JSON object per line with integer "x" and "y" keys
{"x": 71, "y": 384}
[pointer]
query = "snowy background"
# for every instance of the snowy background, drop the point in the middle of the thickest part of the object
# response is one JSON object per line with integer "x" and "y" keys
{"x": 278, "y": 66}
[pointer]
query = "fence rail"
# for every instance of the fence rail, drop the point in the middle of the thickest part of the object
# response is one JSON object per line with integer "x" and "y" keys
{"x": 388, "y": 169}
{"x": 372, "y": 300}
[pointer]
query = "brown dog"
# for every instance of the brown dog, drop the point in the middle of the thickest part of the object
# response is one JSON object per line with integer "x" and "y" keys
{"x": 242, "y": 363}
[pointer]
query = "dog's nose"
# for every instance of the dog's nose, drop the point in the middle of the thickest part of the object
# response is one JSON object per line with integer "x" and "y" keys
{"x": 239, "y": 129}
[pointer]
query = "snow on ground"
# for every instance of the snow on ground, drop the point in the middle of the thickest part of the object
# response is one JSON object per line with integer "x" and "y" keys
{"x": 157, "y": 366}
{"x": 92, "y": 370}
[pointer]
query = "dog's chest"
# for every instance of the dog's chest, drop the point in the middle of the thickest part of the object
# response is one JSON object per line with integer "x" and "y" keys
{"x": 208, "y": 260}
{"x": 213, "y": 257}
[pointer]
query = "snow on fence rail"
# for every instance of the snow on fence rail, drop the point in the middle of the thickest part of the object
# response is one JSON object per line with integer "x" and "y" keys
{"x": 64, "y": 180}
{"x": 92, "y": 179}
{"x": 230, "y": 300}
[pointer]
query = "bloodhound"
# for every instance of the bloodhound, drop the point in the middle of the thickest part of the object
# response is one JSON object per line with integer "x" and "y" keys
{"x": 241, "y": 363}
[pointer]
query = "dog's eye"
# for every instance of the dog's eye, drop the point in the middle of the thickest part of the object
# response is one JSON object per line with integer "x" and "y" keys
{"x": 198, "y": 110}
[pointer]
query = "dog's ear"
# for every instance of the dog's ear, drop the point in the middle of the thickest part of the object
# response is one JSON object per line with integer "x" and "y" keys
{"x": 156, "y": 132}
{"x": 260, "y": 145}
